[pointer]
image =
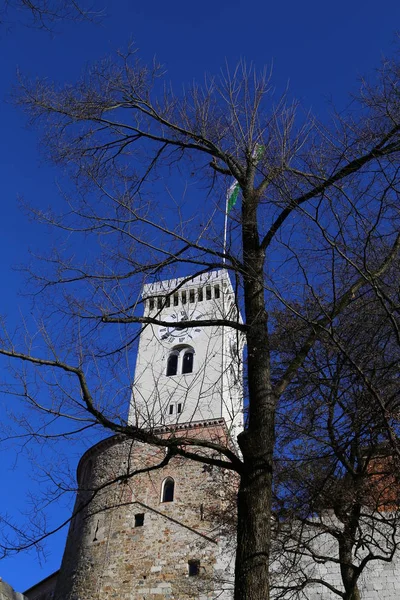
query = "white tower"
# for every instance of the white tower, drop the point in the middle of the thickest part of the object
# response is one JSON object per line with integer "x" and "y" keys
{"x": 184, "y": 375}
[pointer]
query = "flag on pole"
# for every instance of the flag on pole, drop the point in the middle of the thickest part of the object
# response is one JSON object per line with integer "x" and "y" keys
{"x": 232, "y": 196}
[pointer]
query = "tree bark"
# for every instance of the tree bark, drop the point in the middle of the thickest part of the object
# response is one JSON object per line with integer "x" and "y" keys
{"x": 257, "y": 441}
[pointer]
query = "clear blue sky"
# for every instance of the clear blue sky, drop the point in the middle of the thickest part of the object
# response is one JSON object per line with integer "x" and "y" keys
{"x": 319, "y": 48}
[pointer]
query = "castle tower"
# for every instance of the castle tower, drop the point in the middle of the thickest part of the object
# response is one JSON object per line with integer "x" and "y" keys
{"x": 189, "y": 374}
{"x": 155, "y": 535}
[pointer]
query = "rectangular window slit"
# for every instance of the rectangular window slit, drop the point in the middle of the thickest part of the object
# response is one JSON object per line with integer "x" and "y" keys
{"x": 179, "y": 408}
{"x": 194, "y": 568}
{"x": 167, "y": 301}
{"x": 191, "y": 296}
{"x": 159, "y": 302}
{"x": 139, "y": 520}
{"x": 176, "y": 299}
{"x": 151, "y": 303}
{"x": 216, "y": 291}
{"x": 183, "y": 297}
{"x": 208, "y": 292}
{"x": 171, "y": 409}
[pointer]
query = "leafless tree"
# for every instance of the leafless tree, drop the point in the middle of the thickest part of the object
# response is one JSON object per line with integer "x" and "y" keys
{"x": 44, "y": 14}
{"x": 337, "y": 487}
{"x": 316, "y": 226}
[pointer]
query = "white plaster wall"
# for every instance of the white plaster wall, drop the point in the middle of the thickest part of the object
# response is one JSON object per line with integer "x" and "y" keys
{"x": 214, "y": 389}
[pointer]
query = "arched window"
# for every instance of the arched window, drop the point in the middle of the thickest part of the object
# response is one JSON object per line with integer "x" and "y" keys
{"x": 172, "y": 364}
{"x": 187, "y": 361}
{"x": 180, "y": 361}
{"x": 168, "y": 487}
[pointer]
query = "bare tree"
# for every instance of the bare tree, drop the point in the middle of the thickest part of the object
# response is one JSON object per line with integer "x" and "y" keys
{"x": 317, "y": 225}
{"x": 44, "y": 14}
{"x": 337, "y": 488}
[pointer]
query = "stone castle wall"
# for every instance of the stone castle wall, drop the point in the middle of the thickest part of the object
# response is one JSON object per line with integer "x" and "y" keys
{"x": 8, "y": 593}
{"x": 108, "y": 555}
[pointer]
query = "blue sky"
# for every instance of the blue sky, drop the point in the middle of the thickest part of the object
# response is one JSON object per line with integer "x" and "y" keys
{"x": 321, "y": 49}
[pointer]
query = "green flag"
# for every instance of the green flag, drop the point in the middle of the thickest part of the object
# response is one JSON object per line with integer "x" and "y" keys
{"x": 233, "y": 193}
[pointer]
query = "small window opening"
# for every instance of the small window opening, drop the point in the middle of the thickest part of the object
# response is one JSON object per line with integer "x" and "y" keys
{"x": 191, "y": 296}
{"x": 194, "y": 568}
{"x": 187, "y": 362}
{"x": 167, "y": 301}
{"x": 139, "y": 520}
{"x": 171, "y": 409}
{"x": 168, "y": 490}
{"x": 172, "y": 365}
{"x": 216, "y": 291}
{"x": 159, "y": 302}
{"x": 151, "y": 303}
{"x": 184, "y": 297}
{"x": 208, "y": 292}
{"x": 95, "y": 539}
{"x": 179, "y": 408}
{"x": 200, "y": 294}
{"x": 176, "y": 299}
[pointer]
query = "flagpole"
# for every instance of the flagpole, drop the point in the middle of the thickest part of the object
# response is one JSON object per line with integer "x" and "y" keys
{"x": 225, "y": 227}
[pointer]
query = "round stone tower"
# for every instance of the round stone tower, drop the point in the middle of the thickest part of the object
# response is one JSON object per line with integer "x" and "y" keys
{"x": 153, "y": 535}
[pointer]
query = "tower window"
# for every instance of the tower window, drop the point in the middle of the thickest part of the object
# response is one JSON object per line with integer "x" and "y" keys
{"x": 191, "y": 296}
{"x": 208, "y": 292}
{"x": 176, "y": 299}
{"x": 200, "y": 294}
{"x": 193, "y": 568}
{"x": 172, "y": 365}
{"x": 167, "y": 301}
{"x": 171, "y": 409}
{"x": 179, "y": 408}
{"x": 151, "y": 303}
{"x": 187, "y": 362}
{"x": 159, "y": 302}
{"x": 139, "y": 520}
{"x": 216, "y": 291}
{"x": 184, "y": 298}
{"x": 180, "y": 361}
{"x": 168, "y": 488}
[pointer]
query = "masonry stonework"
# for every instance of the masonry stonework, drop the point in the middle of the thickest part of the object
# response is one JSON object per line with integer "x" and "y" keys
{"x": 109, "y": 555}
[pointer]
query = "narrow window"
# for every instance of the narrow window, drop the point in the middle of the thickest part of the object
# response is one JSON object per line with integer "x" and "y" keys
{"x": 168, "y": 490}
{"x": 151, "y": 303}
{"x": 200, "y": 294}
{"x": 176, "y": 299}
{"x": 139, "y": 520}
{"x": 187, "y": 362}
{"x": 184, "y": 297}
{"x": 191, "y": 296}
{"x": 159, "y": 302}
{"x": 171, "y": 409}
{"x": 167, "y": 301}
{"x": 179, "y": 408}
{"x": 216, "y": 291}
{"x": 172, "y": 365}
{"x": 194, "y": 568}
{"x": 208, "y": 292}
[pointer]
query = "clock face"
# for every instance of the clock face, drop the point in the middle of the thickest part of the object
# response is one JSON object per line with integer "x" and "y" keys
{"x": 179, "y": 335}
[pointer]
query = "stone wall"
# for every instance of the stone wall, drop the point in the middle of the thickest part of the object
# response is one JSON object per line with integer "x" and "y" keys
{"x": 7, "y": 592}
{"x": 44, "y": 590}
{"x": 108, "y": 555}
{"x": 380, "y": 579}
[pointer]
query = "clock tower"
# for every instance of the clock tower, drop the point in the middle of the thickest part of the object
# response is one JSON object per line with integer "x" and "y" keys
{"x": 145, "y": 527}
{"x": 189, "y": 374}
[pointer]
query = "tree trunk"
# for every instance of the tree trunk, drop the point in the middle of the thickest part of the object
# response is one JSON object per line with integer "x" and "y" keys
{"x": 257, "y": 441}
{"x": 347, "y": 570}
